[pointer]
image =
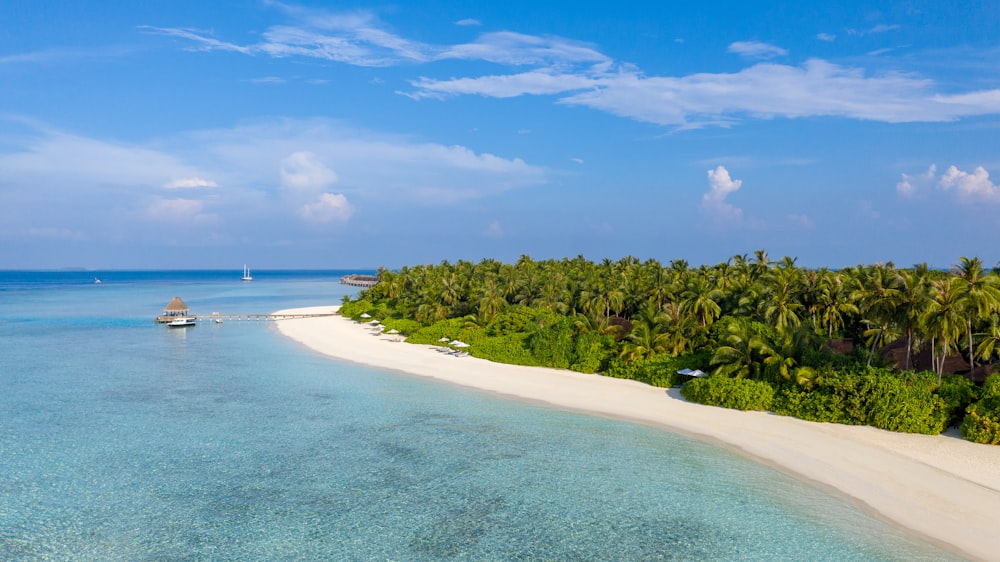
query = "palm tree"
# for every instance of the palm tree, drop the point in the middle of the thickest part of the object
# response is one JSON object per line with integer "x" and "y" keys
{"x": 942, "y": 321}
{"x": 879, "y": 295}
{"x": 785, "y": 353}
{"x": 738, "y": 357}
{"x": 834, "y": 304}
{"x": 980, "y": 296}
{"x": 781, "y": 298}
{"x": 915, "y": 292}
{"x": 700, "y": 299}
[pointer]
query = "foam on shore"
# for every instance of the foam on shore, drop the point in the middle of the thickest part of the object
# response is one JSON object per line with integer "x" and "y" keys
{"x": 938, "y": 486}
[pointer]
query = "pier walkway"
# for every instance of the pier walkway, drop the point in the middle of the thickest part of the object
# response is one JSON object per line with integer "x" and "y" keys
{"x": 241, "y": 317}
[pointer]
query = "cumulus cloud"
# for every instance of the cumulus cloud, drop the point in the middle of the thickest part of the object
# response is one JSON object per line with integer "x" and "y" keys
{"x": 721, "y": 186}
{"x": 756, "y": 50}
{"x": 828, "y": 37}
{"x": 974, "y": 186}
{"x": 266, "y": 175}
{"x": 968, "y": 187}
{"x": 911, "y": 184}
{"x": 303, "y": 171}
{"x": 328, "y": 208}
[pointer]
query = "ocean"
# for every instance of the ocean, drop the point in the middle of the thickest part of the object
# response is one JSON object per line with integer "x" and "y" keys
{"x": 121, "y": 439}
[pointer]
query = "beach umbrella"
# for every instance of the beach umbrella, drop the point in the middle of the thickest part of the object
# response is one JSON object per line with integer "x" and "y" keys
{"x": 393, "y": 331}
{"x": 443, "y": 340}
{"x": 374, "y": 322}
{"x": 458, "y": 343}
{"x": 366, "y": 315}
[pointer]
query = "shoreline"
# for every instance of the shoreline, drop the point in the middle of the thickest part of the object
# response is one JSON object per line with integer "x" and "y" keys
{"x": 940, "y": 487}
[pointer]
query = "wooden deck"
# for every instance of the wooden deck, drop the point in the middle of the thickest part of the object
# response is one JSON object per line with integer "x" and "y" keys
{"x": 242, "y": 317}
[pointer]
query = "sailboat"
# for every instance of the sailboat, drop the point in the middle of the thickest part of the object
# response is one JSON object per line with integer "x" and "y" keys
{"x": 246, "y": 273}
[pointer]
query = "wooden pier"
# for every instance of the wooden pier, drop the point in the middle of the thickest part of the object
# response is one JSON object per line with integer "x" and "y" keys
{"x": 216, "y": 317}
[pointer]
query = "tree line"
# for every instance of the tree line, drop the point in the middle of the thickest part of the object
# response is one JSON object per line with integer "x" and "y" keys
{"x": 749, "y": 321}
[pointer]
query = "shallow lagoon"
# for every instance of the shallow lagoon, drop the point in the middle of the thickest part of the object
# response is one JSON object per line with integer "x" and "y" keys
{"x": 122, "y": 439}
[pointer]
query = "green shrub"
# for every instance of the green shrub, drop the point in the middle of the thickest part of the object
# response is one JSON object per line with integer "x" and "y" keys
{"x": 659, "y": 370}
{"x": 354, "y": 309}
{"x": 906, "y": 402}
{"x": 509, "y": 349}
{"x": 590, "y": 352}
{"x": 739, "y": 394}
{"x": 982, "y": 423}
{"x": 958, "y": 393}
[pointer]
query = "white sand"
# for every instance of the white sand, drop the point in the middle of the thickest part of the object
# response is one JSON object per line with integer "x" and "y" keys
{"x": 941, "y": 487}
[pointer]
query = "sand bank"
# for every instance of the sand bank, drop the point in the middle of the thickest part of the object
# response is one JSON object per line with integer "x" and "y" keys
{"x": 938, "y": 486}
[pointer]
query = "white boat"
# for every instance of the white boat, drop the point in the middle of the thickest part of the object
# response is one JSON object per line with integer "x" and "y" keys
{"x": 246, "y": 273}
{"x": 182, "y": 322}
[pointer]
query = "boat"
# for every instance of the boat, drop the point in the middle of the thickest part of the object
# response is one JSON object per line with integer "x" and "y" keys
{"x": 97, "y": 281}
{"x": 182, "y": 322}
{"x": 246, "y": 273}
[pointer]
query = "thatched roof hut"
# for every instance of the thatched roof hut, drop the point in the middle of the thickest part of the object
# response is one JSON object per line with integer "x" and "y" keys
{"x": 175, "y": 307}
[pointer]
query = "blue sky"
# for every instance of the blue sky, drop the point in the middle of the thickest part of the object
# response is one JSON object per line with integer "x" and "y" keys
{"x": 328, "y": 134}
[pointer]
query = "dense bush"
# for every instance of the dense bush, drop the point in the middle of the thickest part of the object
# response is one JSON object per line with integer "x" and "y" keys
{"x": 553, "y": 345}
{"x": 905, "y": 402}
{"x": 982, "y": 424}
{"x": 509, "y": 348}
{"x": 660, "y": 370}
{"x": 354, "y": 309}
{"x": 739, "y": 394}
{"x": 957, "y": 393}
{"x": 591, "y": 351}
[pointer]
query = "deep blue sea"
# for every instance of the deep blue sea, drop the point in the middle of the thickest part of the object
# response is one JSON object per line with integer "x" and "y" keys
{"x": 121, "y": 439}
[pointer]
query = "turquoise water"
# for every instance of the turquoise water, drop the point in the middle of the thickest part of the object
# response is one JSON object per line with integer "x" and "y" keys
{"x": 125, "y": 440}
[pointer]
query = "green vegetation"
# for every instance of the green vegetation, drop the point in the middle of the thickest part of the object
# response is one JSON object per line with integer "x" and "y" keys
{"x": 836, "y": 346}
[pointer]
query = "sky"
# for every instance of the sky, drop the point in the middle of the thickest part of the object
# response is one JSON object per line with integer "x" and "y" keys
{"x": 206, "y": 135}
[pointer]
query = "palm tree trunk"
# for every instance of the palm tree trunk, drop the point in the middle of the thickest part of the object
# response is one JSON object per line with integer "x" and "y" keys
{"x": 909, "y": 346}
{"x": 972, "y": 363}
{"x": 871, "y": 353}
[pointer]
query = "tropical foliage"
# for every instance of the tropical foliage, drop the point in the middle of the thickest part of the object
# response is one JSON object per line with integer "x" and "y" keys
{"x": 750, "y": 318}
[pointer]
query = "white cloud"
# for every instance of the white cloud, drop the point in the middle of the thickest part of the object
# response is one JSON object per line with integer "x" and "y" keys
{"x": 713, "y": 203}
{"x": 756, "y": 50}
{"x": 763, "y": 91}
{"x": 577, "y": 160}
{"x": 189, "y": 183}
{"x": 506, "y": 47}
{"x": 303, "y": 171}
{"x": 328, "y": 208}
{"x": 879, "y": 28}
{"x": 253, "y": 178}
{"x": 967, "y": 187}
{"x": 974, "y": 186}
{"x": 180, "y": 212}
{"x": 828, "y": 37}
{"x": 579, "y": 74}
{"x": 911, "y": 184}
{"x": 468, "y": 21}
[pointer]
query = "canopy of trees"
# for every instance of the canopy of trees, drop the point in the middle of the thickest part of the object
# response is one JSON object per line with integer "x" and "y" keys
{"x": 815, "y": 338}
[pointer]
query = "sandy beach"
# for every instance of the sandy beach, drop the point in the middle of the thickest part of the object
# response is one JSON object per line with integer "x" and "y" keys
{"x": 941, "y": 487}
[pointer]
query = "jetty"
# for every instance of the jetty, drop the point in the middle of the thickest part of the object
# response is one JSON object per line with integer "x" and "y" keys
{"x": 357, "y": 280}
{"x": 177, "y": 309}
